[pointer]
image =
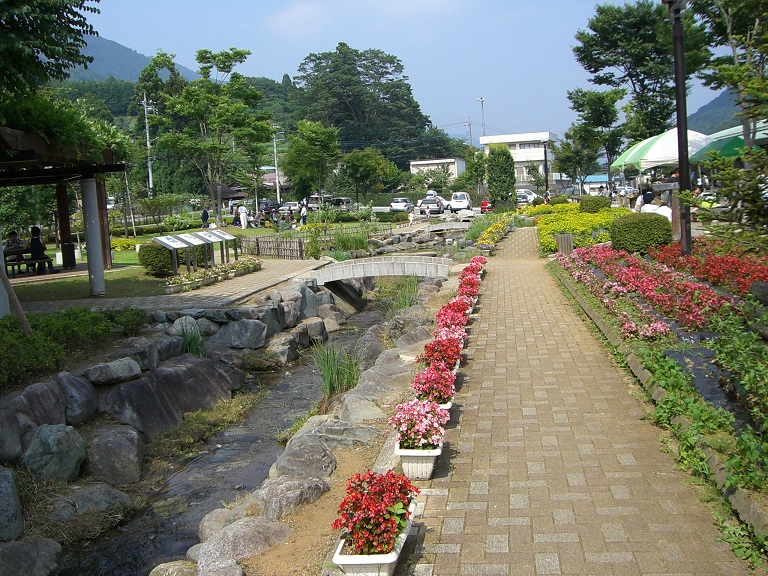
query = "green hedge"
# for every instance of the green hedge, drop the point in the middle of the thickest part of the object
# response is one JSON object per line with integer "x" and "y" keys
{"x": 392, "y": 216}
{"x": 156, "y": 259}
{"x": 638, "y": 232}
{"x": 594, "y": 204}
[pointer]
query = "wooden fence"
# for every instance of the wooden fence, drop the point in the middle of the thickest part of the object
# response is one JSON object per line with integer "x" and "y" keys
{"x": 274, "y": 247}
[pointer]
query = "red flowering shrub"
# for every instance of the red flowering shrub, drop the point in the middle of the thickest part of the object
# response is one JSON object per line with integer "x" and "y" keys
{"x": 446, "y": 317}
{"x": 375, "y": 510}
{"x": 469, "y": 286}
{"x": 471, "y": 269}
{"x": 459, "y": 304}
{"x": 445, "y": 350}
{"x": 436, "y": 383}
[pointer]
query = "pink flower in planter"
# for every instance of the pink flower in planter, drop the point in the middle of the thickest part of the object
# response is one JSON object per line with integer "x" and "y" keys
{"x": 419, "y": 424}
{"x": 436, "y": 383}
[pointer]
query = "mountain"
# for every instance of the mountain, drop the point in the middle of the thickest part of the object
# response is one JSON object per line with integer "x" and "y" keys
{"x": 718, "y": 115}
{"x": 113, "y": 59}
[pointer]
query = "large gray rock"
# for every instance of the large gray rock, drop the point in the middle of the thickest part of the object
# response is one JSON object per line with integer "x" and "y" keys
{"x": 337, "y": 434}
{"x": 175, "y": 568}
{"x": 27, "y": 428}
{"x": 356, "y": 409}
{"x": 29, "y": 557}
{"x": 300, "y": 333}
{"x": 242, "y": 334}
{"x": 309, "y": 302}
{"x": 288, "y": 313}
{"x": 141, "y": 349}
{"x": 238, "y": 541}
{"x": 316, "y": 329}
{"x": 120, "y": 370}
{"x": 326, "y": 311}
{"x": 80, "y": 397}
{"x": 282, "y": 495}
{"x": 269, "y": 314}
{"x": 11, "y": 520}
{"x": 284, "y": 346}
{"x": 10, "y": 436}
{"x": 212, "y": 522}
{"x": 207, "y": 327}
{"x": 229, "y": 360}
{"x": 169, "y": 347}
{"x": 218, "y": 316}
{"x": 184, "y": 325}
{"x": 115, "y": 454}
{"x": 56, "y": 451}
{"x": 156, "y": 402}
{"x": 88, "y": 499}
{"x": 370, "y": 345}
{"x": 412, "y": 337}
{"x": 324, "y": 297}
{"x": 304, "y": 457}
{"x": 42, "y": 402}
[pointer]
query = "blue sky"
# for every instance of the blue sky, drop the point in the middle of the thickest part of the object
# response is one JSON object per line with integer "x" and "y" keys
{"x": 516, "y": 54}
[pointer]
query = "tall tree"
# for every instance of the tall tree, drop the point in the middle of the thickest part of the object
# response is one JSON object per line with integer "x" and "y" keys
{"x": 313, "y": 152}
{"x": 630, "y": 46}
{"x": 212, "y": 122}
{"x": 598, "y": 112}
{"x": 576, "y": 155}
{"x": 741, "y": 27}
{"x": 500, "y": 174}
{"x": 365, "y": 95}
{"x": 366, "y": 169}
{"x": 40, "y": 40}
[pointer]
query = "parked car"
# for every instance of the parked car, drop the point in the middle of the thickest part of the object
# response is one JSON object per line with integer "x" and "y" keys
{"x": 435, "y": 206}
{"x": 486, "y": 206}
{"x": 267, "y": 204}
{"x": 460, "y": 201}
{"x": 530, "y": 194}
{"x": 288, "y": 206}
{"x": 400, "y": 205}
{"x": 342, "y": 203}
{"x": 317, "y": 201}
{"x": 444, "y": 202}
{"x": 522, "y": 199}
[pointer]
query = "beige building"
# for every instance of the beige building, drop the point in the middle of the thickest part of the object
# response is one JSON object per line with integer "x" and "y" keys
{"x": 455, "y": 166}
{"x": 526, "y": 148}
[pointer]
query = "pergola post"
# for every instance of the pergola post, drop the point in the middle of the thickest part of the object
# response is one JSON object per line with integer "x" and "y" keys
{"x": 93, "y": 237}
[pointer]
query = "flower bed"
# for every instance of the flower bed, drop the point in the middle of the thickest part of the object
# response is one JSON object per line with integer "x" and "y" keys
{"x": 198, "y": 278}
{"x": 436, "y": 383}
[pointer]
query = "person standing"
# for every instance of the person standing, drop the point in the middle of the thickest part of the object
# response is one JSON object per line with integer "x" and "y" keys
{"x": 243, "y": 213}
{"x": 204, "y": 217}
{"x": 303, "y": 214}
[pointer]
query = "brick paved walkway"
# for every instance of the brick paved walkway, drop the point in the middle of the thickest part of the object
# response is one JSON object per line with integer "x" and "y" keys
{"x": 219, "y": 295}
{"x": 551, "y": 469}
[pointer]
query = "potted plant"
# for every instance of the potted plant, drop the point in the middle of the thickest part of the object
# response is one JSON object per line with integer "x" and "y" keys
{"x": 376, "y": 516}
{"x": 445, "y": 350}
{"x": 436, "y": 384}
{"x": 469, "y": 286}
{"x": 420, "y": 430}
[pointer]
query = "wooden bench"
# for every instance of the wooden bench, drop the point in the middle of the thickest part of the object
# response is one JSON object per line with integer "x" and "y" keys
{"x": 13, "y": 264}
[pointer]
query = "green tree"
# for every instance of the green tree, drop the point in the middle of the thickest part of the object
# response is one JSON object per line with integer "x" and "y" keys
{"x": 631, "y": 46}
{"x": 500, "y": 174}
{"x": 535, "y": 175}
{"x": 211, "y": 122}
{"x": 740, "y": 26}
{"x": 313, "y": 152}
{"x": 40, "y": 40}
{"x": 366, "y": 169}
{"x": 474, "y": 171}
{"x": 576, "y": 155}
{"x": 598, "y": 113}
{"x": 366, "y": 96}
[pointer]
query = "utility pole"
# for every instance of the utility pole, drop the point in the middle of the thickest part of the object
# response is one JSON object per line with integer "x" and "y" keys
{"x": 277, "y": 172}
{"x": 148, "y": 107}
{"x": 482, "y": 111}
{"x": 469, "y": 123}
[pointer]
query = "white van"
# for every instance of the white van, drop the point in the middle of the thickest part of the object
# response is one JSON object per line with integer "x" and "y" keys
{"x": 460, "y": 201}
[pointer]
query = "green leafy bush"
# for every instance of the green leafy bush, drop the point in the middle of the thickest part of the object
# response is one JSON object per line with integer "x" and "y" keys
{"x": 638, "y": 232}
{"x": 344, "y": 241}
{"x": 559, "y": 199}
{"x": 131, "y": 320}
{"x": 74, "y": 328}
{"x": 175, "y": 223}
{"x": 594, "y": 204}
{"x": 156, "y": 259}
{"x": 122, "y": 244}
{"x": 392, "y": 216}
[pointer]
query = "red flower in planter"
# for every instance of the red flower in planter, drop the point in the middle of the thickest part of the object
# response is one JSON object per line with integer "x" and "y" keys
{"x": 469, "y": 286}
{"x": 436, "y": 383}
{"x": 375, "y": 510}
{"x": 445, "y": 350}
{"x": 447, "y": 317}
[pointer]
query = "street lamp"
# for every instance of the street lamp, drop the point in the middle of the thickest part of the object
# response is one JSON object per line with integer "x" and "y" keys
{"x": 482, "y": 111}
{"x": 680, "y": 212}
{"x": 148, "y": 107}
{"x": 546, "y": 167}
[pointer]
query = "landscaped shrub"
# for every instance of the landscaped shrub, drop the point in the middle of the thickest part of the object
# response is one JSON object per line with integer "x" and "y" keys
{"x": 559, "y": 199}
{"x": 343, "y": 241}
{"x": 156, "y": 259}
{"x": 594, "y": 204}
{"x": 74, "y": 328}
{"x": 131, "y": 320}
{"x": 392, "y": 217}
{"x": 638, "y": 232}
{"x": 587, "y": 228}
{"x": 122, "y": 244}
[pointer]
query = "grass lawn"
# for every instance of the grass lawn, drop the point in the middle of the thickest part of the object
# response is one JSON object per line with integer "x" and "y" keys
{"x": 120, "y": 283}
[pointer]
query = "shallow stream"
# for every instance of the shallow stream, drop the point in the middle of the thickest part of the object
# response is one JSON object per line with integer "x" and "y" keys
{"x": 233, "y": 464}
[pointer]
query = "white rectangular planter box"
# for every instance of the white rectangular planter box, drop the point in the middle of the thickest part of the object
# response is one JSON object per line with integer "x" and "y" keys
{"x": 418, "y": 464}
{"x": 374, "y": 564}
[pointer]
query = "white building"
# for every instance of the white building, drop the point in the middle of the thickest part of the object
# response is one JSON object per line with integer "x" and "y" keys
{"x": 455, "y": 166}
{"x": 526, "y": 148}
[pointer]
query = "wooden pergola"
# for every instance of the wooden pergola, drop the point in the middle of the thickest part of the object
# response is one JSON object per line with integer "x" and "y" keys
{"x": 29, "y": 160}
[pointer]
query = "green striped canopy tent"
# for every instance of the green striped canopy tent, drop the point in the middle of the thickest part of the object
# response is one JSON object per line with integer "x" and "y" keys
{"x": 659, "y": 150}
{"x": 726, "y": 148}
